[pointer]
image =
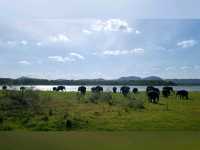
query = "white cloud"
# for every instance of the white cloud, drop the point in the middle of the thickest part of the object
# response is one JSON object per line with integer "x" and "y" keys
{"x": 24, "y": 62}
{"x": 59, "y": 38}
{"x": 24, "y": 42}
{"x": 69, "y": 59}
{"x": 77, "y": 55}
{"x": 196, "y": 67}
{"x": 137, "y": 32}
{"x": 138, "y": 50}
{"x": 124, "y": 52}
{"x": 88, "y": 32}
{"x": 171, "y": 68}
{"x": 15, "y": 43}
{"x": 11, "y": 42}
{"x": 185, "y": 67}
{"x": 111, "y": 25}
{"x": 39, "y": 44}
{"x": 187, "y": 44}
{"x": 61, "y": 59}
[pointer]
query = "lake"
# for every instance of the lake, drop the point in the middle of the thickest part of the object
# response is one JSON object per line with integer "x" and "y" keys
{"x": 105, "y": 87}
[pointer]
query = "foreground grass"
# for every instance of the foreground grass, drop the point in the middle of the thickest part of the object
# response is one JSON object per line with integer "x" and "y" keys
{"x": 99, "y": 140}
{"x": 55, "y": 107}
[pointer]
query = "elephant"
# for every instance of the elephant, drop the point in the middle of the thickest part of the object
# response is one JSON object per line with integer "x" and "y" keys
{"x": 166, "y": 93}
{"x": 22, "y": 88}
{"x": 97, "y": 89}
{"x": 153, "y": 97}
{"x": 82, "y": 90}
{"x": 156, "y": 90}
{"x": 182, "y": 94}
{"x": 170, "y": 89}
{"x": 114, "y": 89}
{"x": 151, "y": 88}
{"x": 93, "y": 89}
{"x": 125, "y": 90}
{"x": 54, "y": 88}
{"x": 4, "y": 87}
{"x": 60, "y": 88}
{"x": 135, "y": 90}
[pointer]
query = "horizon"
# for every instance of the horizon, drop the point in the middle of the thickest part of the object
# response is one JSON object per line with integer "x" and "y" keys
{"x": 142, "y": 78}
{"x": 59, "y": 42}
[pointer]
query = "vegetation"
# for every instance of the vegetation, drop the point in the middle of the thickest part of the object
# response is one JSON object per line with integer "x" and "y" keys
{"x": 100, "y": 140}
{"x": 31, "y": 81}
{"x": 60, "y": 111}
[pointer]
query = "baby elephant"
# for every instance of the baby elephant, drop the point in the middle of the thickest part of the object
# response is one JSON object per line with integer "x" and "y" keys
{"x": 153, "y": 97}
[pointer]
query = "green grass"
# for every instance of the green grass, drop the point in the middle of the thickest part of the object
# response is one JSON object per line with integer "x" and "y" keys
{"x": 99, "y": 140}
{"x": 169, "y": 115}
{"x": 172, "y": 124}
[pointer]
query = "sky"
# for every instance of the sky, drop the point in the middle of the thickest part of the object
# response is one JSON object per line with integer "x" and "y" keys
{"x": 62, "y": 39}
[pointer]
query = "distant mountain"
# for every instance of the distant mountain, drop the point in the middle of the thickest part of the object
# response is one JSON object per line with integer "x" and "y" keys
{"x": 155, "y": 78}
{"x": 186, "y": 81}
{"x": 23, "y": 78}
{"x": 129, "y": 78}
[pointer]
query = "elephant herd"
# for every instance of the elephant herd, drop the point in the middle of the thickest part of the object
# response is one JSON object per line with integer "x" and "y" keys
{"x": 125, "y": 90}
{"x": 154, "y": 93}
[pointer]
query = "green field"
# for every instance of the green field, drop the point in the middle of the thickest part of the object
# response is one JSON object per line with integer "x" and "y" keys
{"x": 103, "y": 121}
{"x": 49, "y": 111}
{"x": 99, "y": 140}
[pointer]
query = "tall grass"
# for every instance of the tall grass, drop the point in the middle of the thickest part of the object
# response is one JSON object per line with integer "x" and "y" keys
{"x": 59, "y": 111}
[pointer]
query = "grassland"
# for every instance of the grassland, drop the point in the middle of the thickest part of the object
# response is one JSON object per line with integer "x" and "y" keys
{"x": 50, "y": 111}
{"x": 135, "y": 123}
{"x": 99, "y": 140}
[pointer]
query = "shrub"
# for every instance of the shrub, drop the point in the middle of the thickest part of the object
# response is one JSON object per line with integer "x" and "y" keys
{"x": 45, "y": 118}
{"x": 101, "y": 97}
{"x": 106, "y": 96}
{"x": 41, "y": 126}
{"x": 5, "y": 128}
{"x": 30, "y": 124}
{"x": 136, "y": 104}
{"x": 50, "y": 112}
{"x": 29, "y": 100}
{"x": 1, "y": 119}
{"x": 94, "y": 97}
{"x": 68, "y": 124}
{"x": 25, "y": 120}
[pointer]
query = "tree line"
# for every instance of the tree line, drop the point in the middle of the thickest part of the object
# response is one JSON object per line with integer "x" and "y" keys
{"x": 31, "y": 81}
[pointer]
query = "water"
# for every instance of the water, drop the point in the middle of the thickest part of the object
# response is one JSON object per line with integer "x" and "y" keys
{"x": 106, "y": 88}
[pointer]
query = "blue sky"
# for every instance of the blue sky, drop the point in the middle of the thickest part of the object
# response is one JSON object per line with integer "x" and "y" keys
{"x": 87, "y": 39}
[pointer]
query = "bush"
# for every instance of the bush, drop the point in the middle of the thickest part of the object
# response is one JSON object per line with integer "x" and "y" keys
{"x": 107, "y": 96}
{"x": 25, "y": 120}
{"x": 68, "y": 124}
{"x": 101, "y": 97}
{"x": 1, "y": 119}
{"x": 29, "y": 100}
{"x": 41, "y": 126}
{"x": 136, "y": 104}
{"x": 50, "y": 112}
{"x": 94, "y": 97}
{"x": 45, "y": 118}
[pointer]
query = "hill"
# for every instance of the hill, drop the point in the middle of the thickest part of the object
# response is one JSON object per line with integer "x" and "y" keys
{"x": 129, "y": 78}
